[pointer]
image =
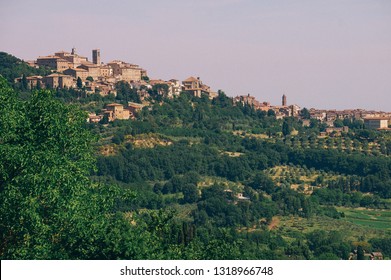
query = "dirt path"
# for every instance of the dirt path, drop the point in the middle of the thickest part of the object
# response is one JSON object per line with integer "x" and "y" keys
{"x": 274, "y": 223}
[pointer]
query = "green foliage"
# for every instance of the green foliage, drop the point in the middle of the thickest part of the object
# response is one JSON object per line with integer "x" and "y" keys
{"x": 126, "y": 93}
{"x": 79, "y": 83}
{"x": 287, "y": 127}
{"x": 45, "y": 162}
{"x": 262, "y": 182}
{"x": 330, "y": 243}
{"x": 12, "y": 68}
{"x": 49, "y": 208}
{"x": 209, "y": 192}
{"x": 305, "y": 114}
{"x": 382, "y": 244}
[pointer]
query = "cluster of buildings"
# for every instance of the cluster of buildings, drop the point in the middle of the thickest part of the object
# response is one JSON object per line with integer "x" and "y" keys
{"x": 280, "y": 112}
{"x": 96, "y": 77}
{"x": 371, "y": 119}
{"x": 171, "y": 88}
{"x": 116, "y": 111}
{"x": 68, "y": 67}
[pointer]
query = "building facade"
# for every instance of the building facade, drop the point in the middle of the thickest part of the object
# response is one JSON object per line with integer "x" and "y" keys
{"x": 376, "y": 123}
{"x": 54, "y": 62}
{"x": 96, "y": 56}
{"x": 195, "y": 86}
{"x": 58, "y": 81}
{"x": 115, "y": 111}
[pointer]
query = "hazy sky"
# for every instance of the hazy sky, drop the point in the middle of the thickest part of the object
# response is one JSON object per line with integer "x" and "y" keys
{"x": 322, "y": 54}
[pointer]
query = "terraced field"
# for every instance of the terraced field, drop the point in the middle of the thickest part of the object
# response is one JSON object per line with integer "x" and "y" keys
{"x": 358, "y": 224}
{"x": 377, "y": 219}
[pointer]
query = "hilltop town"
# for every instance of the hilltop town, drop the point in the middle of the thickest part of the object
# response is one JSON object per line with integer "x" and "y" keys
{"x": 71, "y": 70}
{"x": 183, "y": 170}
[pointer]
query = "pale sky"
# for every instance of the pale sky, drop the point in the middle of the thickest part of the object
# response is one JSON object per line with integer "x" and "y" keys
{"x": 329, "y": 54}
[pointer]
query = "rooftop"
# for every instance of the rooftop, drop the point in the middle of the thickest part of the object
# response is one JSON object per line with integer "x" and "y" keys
{"x": 191, "y": 79}
{"x": 375, "y": 118}
{"x": 114, "y": 105}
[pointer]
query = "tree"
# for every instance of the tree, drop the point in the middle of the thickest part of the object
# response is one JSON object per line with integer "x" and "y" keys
{"x": 262, "y": 182}
{"x": 126, "y": 92}
{"x": 24, "y": 82}
{"x": 287, "y": 127}
{"x": 305, "y": 114}
{"x": 338, "y": 123}
{"x": 360, "y": 253}
{"x": 89, "y": 78}
{"x": 190, "y": 193}
{"x": 79, "y": 82}
{"x": 49, "y": 209}
{"x": 271, "y": 113}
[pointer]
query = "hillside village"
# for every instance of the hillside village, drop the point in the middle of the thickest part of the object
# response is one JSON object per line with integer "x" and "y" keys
{"x": 284, "y": 182}
{"x": 71, "y": 70}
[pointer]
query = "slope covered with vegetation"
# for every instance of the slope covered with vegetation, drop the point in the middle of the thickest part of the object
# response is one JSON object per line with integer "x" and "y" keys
{"x": 12, "y": 67}
{"x": 190, "y": 178}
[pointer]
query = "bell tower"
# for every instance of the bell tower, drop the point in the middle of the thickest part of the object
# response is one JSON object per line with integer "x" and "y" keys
{"x": 284, "y": 100}
{"x": 96, "y": 56}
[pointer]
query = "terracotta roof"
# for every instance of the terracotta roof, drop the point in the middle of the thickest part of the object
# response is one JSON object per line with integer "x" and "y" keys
{"x": 55, "y": 75}
{"x": 113, "y": 105}
{"x": 33, "y": 77}
{"x": 78, "y": 69}
{"x": 89, "y": 64}
{"x": 49, "y": 57}
{"x": 133, "y": 104}
{"x": 191, "y": 79}
{"x": 59, "y": 75}
{"x": 376, "y": 118}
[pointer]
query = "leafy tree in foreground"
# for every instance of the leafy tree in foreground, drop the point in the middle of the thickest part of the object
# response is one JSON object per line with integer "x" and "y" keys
{"x": 49, "y": 209}
{"x": 45, "y": 161}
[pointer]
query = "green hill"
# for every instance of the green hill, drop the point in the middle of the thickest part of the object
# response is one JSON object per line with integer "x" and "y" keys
{"x": 12, "y": 67}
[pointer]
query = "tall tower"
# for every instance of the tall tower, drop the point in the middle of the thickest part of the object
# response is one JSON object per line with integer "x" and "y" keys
{"x": 284, "y": 100}
{"x": 96, "y": 56}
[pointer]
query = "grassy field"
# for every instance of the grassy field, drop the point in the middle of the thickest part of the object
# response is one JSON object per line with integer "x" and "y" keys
{"x": 357, "y": 224}
{"x": 375, "y": 219}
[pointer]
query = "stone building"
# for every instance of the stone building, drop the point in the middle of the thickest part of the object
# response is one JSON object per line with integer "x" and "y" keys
{"x": 337, "y": 131}
{"x": 53, "y": 62}
{"x": 106, "y": 71}
{"x": 135, "y": 107}
{"x": 176, "y": 87}
{"x": 284, "y": 100}
{"x": 127, "y": 72}
{"x": 115, "y": 111}
{"x": 73, "y": 58}
{"x": 249, "y": 100}
{"x": 96, "y": 56}
{"x": 32, "y": 81}
{"x": 92, "y": 69}
{"x": 77, "y": 73}
{"x": 376, "y": 123}
{"x": 195, "y": 86}
{"x": 58, "y": 81}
